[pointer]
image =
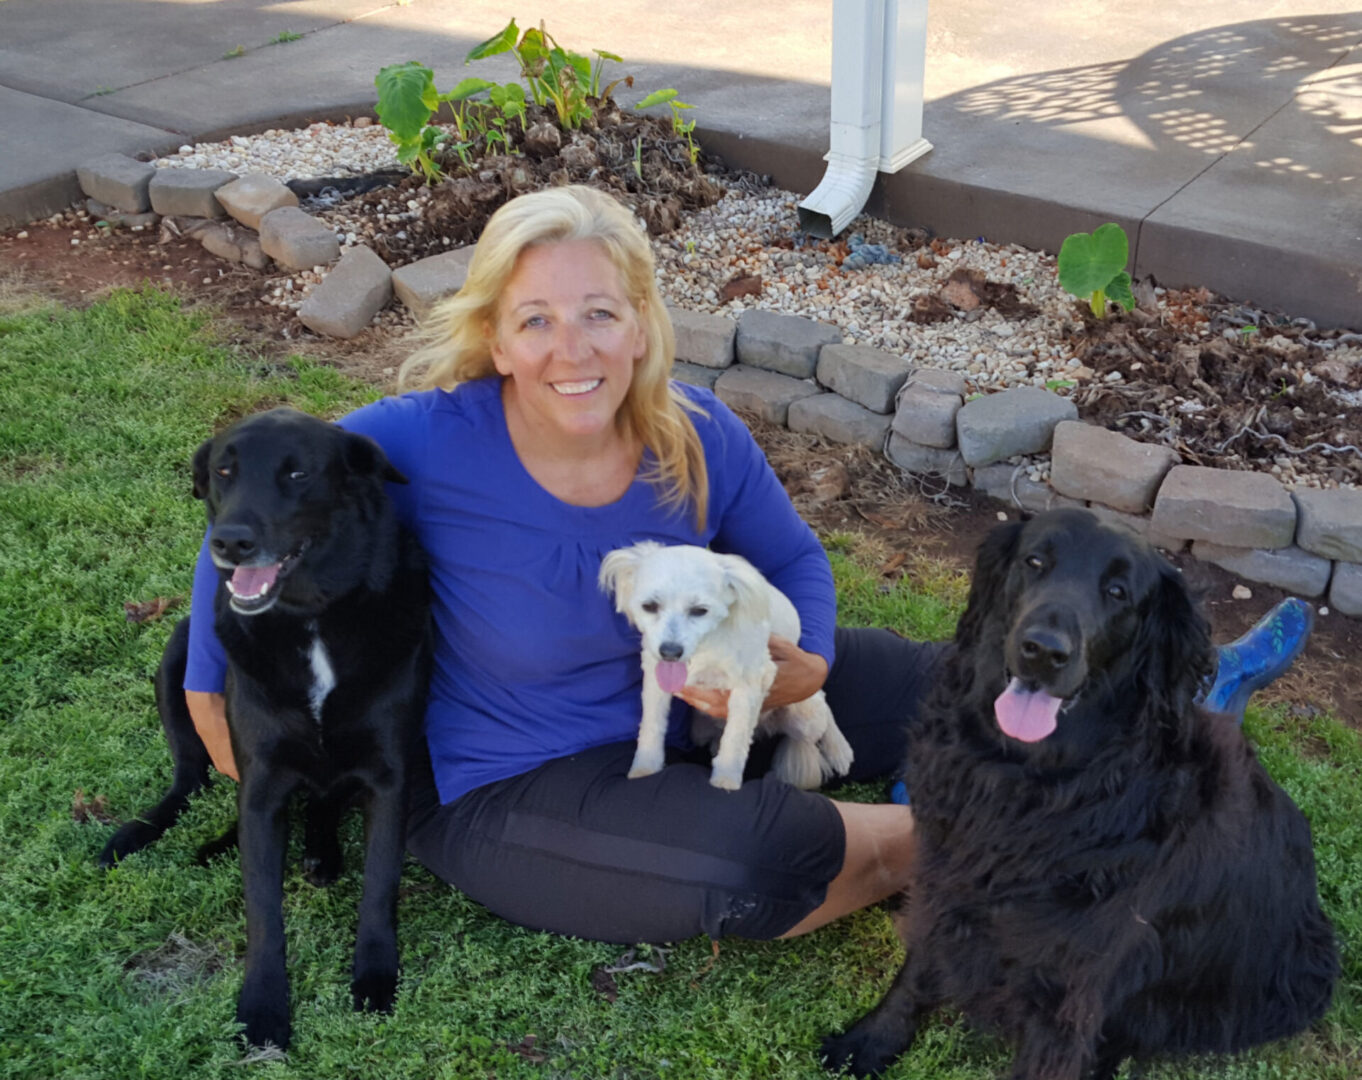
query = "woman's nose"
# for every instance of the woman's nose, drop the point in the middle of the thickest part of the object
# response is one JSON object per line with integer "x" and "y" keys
{"x": 570, "y": 341}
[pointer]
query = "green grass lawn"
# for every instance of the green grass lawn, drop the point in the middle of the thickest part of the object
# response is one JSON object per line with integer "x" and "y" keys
{"x": 134, "y": 973}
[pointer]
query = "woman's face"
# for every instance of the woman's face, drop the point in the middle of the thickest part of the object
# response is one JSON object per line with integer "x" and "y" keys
{"x": 566, "y": 340}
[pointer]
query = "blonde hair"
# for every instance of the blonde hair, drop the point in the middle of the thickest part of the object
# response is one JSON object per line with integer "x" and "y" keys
{"x": 456, "y": 345}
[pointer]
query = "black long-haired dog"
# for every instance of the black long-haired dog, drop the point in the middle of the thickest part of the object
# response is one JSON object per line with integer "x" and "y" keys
{"x": 1105, "y": 869}
{"x": 322, "y": 611}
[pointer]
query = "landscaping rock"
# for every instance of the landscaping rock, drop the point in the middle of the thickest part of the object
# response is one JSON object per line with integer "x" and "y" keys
{"x": 1090, "y": 462}
{"x": 233, "y": 243}
{"x": 869, "y": 377}
{"x": 927, "y": 460}
{"x": 1330, "y": 523}
{"x": 1345, "y": 594}
{"x": 254, "y": 195}
{"x": 1287, "y": 568}
{"x": 1010, "y": 484}
{"x": 765, "y": 393}
{"x": 838, "y": 420}
{"x": 294, "y": 238}
{"x": 786, "y": 344}
{"x": 695, "y": 374}
{"x": 1018, "y": 421}
{"x": 117, "y": 180}
{"x": 427, "y": 281}
{"x": 927, "y": 416}
{"x": 1237, "y": 509}
{"x": 995, "y": 481}
{"x": 706, "y": 340}
{"x": 114, "y": 216}
{"x": 349, "y": 296}
{"x": 938, "y": 379}
{"x": 188, "y": 192}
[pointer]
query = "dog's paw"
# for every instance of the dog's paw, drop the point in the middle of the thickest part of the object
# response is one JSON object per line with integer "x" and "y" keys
{"x": 374, "y": 991}
{"x": 263, "y": 1011}
{"x": 857, "y": 1054}
{"x": 725, "y": 780}
{"x": 645, "y": 765}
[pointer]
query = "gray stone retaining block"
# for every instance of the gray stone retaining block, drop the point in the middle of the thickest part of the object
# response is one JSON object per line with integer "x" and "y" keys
{"x": 766, "y": 393}
{"x": 1139, "y": 525}
{"x": 1018, "y": 421}
{"x": 869, "y": 377}
{"x": 1345, "y": 594}
{"x": 233, "y": 242}
{"x": 424, "y": 283}
{"x": 188, "y": 192}
{"x": 695, "y": 375}
{"x": 118, "y": 180}
{"x": 294, "y": 238}
{"x": 927, "y": 459}
{"x": 349, "y": 296}
{"x": 251, "y": 197}
{"x": 786, "y": 344}
{"x": 706, "y": 340}
{"x": 1287, "y": 568}
{"x": 839, "y": 420}
{"x": 1330, "y": 523}
{"x": 1090, "y": 462}
{"x": 104, "y": 212}
{"x": 927, "y": 416}
{"x": 1236, "y": 509}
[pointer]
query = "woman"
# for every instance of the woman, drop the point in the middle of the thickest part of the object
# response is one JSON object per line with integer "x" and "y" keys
{"x": 543, "y": 433}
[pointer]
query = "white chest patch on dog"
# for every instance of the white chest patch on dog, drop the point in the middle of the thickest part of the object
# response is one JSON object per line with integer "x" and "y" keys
{"x": 323, "y": 677}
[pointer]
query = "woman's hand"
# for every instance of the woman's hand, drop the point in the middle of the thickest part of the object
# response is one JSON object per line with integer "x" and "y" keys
{"x": 799, "y": 675}
{"x": 209, "y": 713}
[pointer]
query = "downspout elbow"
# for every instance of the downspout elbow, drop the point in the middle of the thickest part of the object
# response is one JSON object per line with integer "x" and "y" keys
{"x": 839, "y": 196}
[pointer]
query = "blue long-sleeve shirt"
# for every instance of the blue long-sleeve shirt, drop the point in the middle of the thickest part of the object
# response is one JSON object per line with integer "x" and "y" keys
{"x": 531, "y": 660}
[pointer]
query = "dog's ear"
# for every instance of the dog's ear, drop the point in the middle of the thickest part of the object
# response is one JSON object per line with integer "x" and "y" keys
{"x": 619, "y": 570}
{"x": 751, "y": 596}
{"x": 366, "y": 457}
{"x": 201, "y": 469}
{"x": 990, "y": 577}
{"x": 1176, "y": 650}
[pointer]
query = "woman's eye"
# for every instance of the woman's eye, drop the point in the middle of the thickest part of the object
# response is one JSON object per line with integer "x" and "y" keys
{"x": 533, "y": 322}
{"x": 601, "y": 314}
{"x": 698, "y": 612}
{"x": 651, "y": 607}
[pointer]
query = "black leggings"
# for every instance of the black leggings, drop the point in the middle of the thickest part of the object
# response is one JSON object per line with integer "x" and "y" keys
{"x": 577, "y": 848}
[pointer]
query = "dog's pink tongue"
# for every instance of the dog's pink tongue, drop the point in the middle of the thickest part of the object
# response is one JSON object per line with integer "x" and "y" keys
{"x": 248, "y": 581}
{"x": 1027, "y": 715}
{"x": 671, "y": 675}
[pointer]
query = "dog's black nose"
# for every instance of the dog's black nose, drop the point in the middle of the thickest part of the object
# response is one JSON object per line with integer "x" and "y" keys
{"x": 1046, "y": 648}
{"x": 670, "y": 650}
{"x": 235, "y": 543}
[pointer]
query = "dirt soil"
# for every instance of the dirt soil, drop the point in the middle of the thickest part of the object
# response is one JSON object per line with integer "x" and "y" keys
{"x": 1270, "y": 392}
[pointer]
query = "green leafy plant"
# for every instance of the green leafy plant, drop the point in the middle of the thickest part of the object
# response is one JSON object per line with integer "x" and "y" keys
{"x": 407, "y": 104}
{"x": 1092, "y": 268}
{"x": 679, "y": 126}
{"x": 284, "y": 37}
{"x": 555, "y": 76}
{"x": 232, "y": 54}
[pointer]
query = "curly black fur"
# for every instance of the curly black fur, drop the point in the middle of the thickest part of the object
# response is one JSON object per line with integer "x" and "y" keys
{"x": 1132, "y": 885}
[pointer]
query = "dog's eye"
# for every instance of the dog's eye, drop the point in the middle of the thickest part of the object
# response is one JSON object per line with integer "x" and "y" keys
{"x": 224, "y": 471}
{"x": 651, "y": 606}
{"x": 1117, "y": 591}
{"x": 1035, "y": 562}
{"x": 297, "y": 474}
{"x": 698, "y": 612}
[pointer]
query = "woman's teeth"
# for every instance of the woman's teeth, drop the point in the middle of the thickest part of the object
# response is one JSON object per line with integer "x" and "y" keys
{"x": 571, "y": 389}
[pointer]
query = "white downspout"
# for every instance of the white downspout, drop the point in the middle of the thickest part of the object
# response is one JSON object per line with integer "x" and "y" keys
{"x": 879, "y": 50}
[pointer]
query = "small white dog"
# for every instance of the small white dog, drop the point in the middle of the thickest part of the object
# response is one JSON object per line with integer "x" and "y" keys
{"x": 706, "y": 621}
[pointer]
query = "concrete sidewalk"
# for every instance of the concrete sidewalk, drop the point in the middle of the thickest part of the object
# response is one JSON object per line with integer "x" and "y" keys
{"x": 1229, "y": 144}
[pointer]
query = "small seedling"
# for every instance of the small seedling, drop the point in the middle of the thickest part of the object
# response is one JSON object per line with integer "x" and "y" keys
{"x": 1059, "y": 384}
{"x": 232, "y": 54}
{"x": 103, "y": 90}
{"x": 638, "y": 157}
{"x": 1092, "y": 268}
{"x": 284, "y": 37}
{"x": 679, "y": 126}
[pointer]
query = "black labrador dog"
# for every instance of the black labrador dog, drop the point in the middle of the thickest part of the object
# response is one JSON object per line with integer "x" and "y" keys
{"x": 322, "y": 611}
{"x": 1105, "y": 869}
